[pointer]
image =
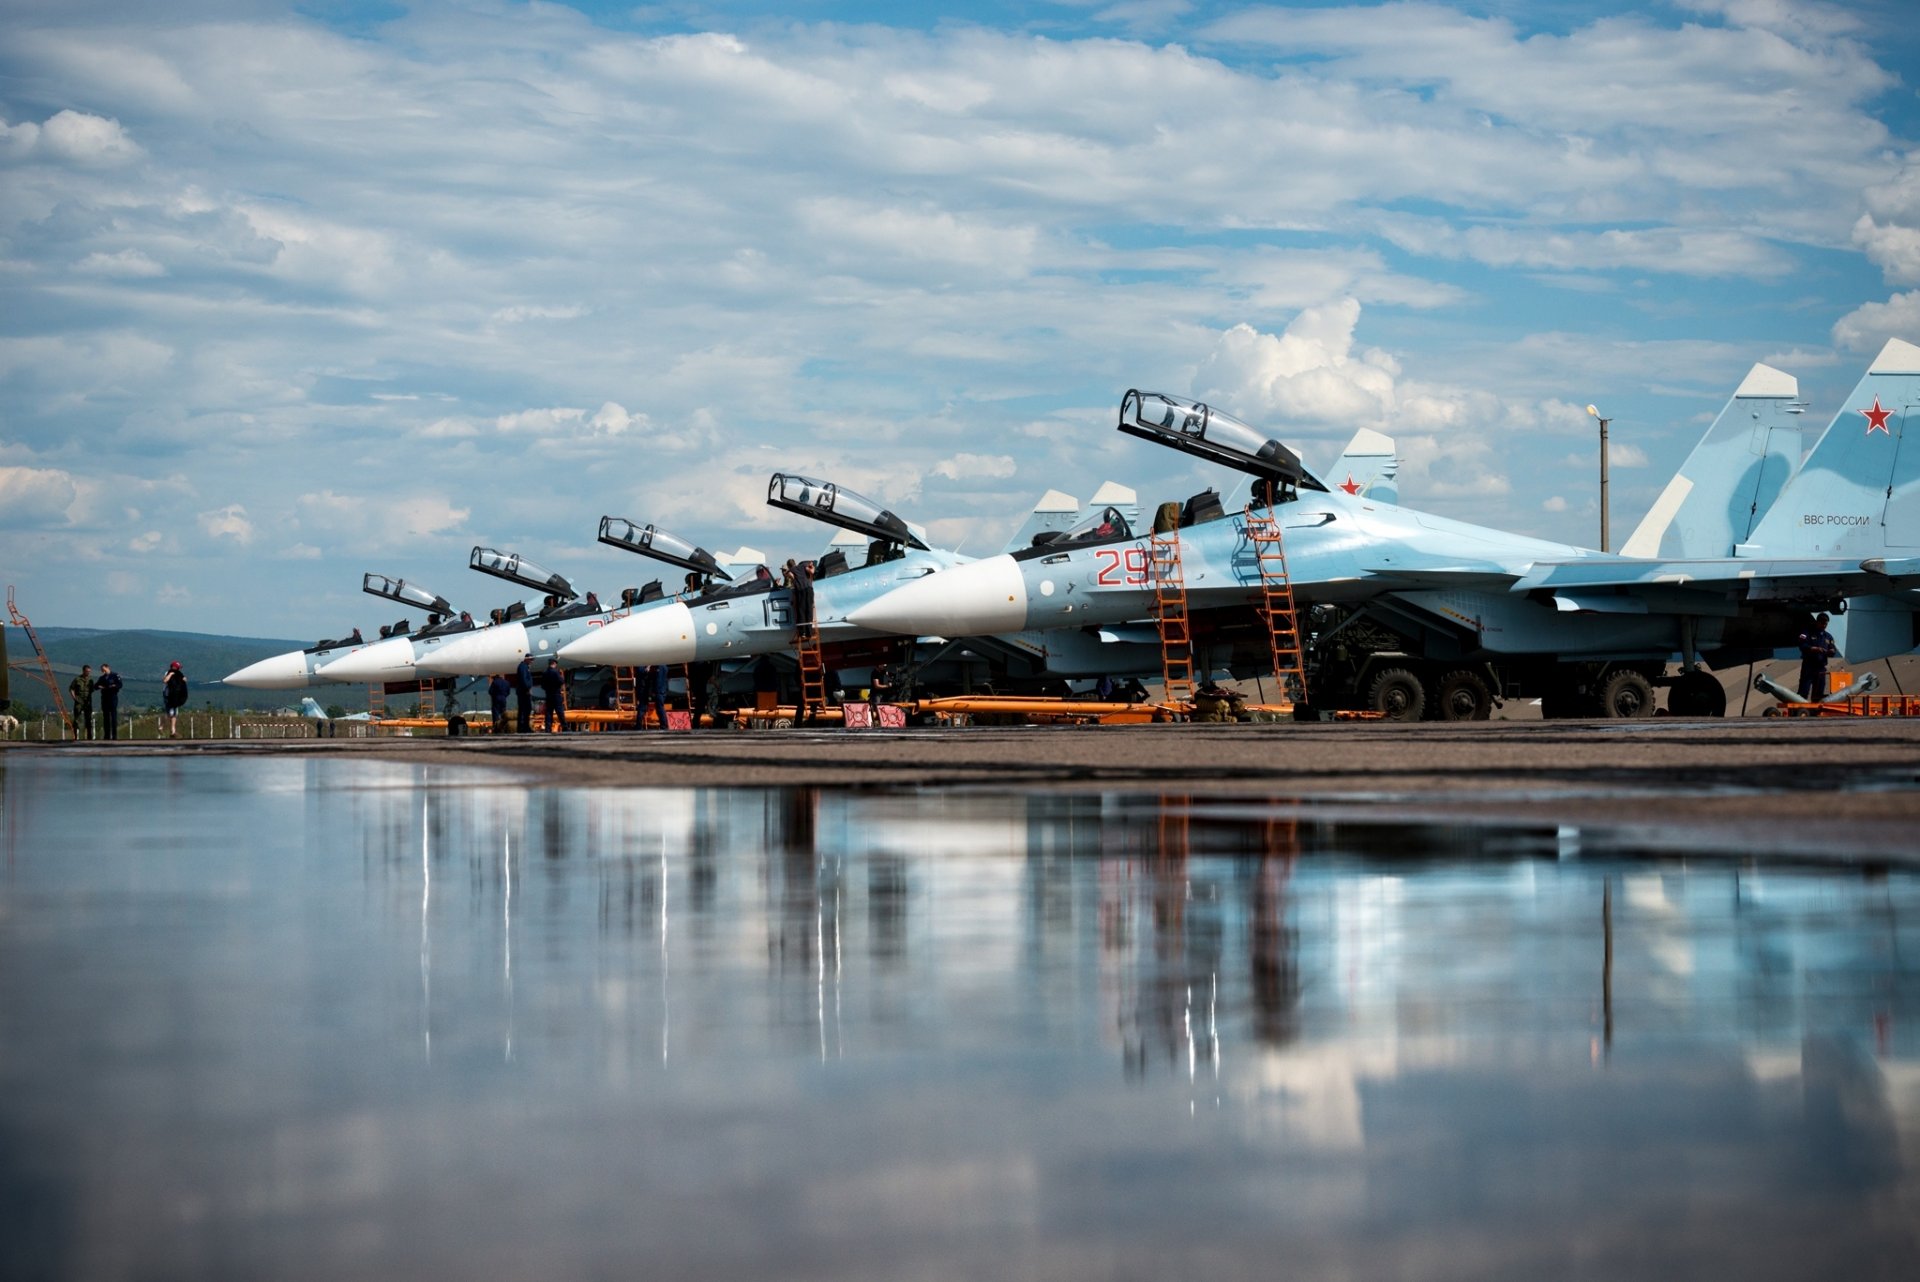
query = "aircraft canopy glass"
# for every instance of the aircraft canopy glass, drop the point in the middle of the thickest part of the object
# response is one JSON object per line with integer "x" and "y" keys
{"x": 619, "y": 532}
{"x": 1211, "y": 434}
{"x": 405, "y": 593}
{"x": 515, "y": 568}
{"x": 825, "y": 501}
{"x": 1105, "y": 524}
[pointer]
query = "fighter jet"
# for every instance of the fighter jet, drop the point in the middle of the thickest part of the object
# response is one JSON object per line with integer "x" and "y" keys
{"x": 1466, "y": 609}
{"x": 513, "y": 634}
{"x": 757, "y": 616}
{"x": 298, "y": 669}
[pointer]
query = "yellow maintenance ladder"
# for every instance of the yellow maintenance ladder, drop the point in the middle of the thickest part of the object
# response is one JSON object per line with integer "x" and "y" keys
{"x": 1276, "y": 605}
{"x": 813, "y": 669}
{"x": 1170, "y": 612}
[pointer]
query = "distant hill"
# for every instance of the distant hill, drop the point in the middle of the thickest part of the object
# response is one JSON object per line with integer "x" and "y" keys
{"x": 141, "y": 658}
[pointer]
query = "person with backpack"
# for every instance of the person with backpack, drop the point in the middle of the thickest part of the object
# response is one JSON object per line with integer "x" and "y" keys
{"x": 173, "y": 697}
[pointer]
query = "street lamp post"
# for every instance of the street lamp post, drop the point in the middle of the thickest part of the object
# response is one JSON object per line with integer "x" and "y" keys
{"x": 1603, "y": 476}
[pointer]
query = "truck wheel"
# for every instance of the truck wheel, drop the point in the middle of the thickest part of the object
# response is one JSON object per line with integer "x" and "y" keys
{"x": 1626, "y": 694}
{"x": 1397, "y": 695}
{"x": 1697, "y": 694}
{"x": 1463, "y": 696}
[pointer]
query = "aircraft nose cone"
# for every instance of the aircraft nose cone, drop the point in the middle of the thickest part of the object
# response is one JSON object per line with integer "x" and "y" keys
{"x": 968, "y": 600}
{"x": 287, "y": 671}
{"x": 389, "y": 660}
{"x": 662, "y": 634}
{"x": 490, "y": 650}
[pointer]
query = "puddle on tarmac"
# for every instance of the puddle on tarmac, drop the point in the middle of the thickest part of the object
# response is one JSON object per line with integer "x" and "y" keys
{"x": 313, "y": 1019}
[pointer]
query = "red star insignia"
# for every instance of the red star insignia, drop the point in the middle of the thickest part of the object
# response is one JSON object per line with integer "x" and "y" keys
{"x": 1877, "y": 418}
{"x": 1351, "y": 488}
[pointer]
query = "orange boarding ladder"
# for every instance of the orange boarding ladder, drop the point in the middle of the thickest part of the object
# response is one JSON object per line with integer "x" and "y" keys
{"x": 626, "y": 694}
{"x": 1170, "y": 612}
{"x": 377, "y": 700}
{"x": 46, "y": 669}
{"x": 813, "y": 669}
{"x": 1276, "y": 605}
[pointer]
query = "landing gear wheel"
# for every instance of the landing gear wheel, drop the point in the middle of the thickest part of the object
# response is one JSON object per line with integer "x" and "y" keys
{"x": 1397, "y": 695}
{"x": 1462, "y": 696}
{"x": 1626, "y": 694}
{"x": 1697, "y": 694}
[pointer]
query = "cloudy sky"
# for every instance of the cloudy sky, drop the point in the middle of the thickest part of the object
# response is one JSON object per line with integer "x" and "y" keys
{"x": 290, "y": 292}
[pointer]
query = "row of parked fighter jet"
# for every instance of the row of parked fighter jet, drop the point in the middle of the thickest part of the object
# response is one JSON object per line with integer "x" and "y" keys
{"x": 1743, "y": 544}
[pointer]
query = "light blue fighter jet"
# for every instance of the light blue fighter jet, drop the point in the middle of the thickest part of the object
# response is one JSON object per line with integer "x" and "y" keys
{"x": 513, "y": 634}
{"x": 754, "y": 617}
{"x": 299, "y": 669}
{"x": 1464, "y": 611}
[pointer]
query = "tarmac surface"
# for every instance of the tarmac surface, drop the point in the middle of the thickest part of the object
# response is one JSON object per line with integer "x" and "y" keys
{"x": 1815, "y": 787}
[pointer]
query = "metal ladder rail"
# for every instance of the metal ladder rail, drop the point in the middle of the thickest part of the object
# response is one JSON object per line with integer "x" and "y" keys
{"x": 1170, "y": 613}
{"x": 46, "y": 667}
{"x": 1277, "y": 606}
{"x": 626, "y": 695}
{"x": 813, "y": 669}
{"x": 377, "y": 700}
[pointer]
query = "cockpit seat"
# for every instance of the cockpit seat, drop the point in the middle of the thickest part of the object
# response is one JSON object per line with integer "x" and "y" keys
{"x": 1201, "y": 508}
{"x": 834, "y": 562}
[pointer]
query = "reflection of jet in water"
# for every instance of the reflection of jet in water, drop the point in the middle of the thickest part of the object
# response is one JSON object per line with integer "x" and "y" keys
{"x": 1467, "y": 606}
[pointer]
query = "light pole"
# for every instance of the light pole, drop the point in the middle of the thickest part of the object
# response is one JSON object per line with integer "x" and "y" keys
{"x": 1603, "y": 476}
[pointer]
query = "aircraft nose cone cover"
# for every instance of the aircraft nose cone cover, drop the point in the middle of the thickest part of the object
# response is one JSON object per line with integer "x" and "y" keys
{"x": 967, "y": 600}
{"x": 389, "y": 660}
{"x": 663, "y": 634}
{"x": 490, "y": 650}
{"x": 282, "y": 672}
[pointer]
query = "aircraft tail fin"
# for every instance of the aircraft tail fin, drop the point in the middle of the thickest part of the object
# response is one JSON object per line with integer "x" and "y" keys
{"x": 1733, "y": 476}
{"x": 309, "y": 708}
{"x": 1054, "y": 511}
{"x": 1368, "y": 468}
{"x": 1858, "y": 492}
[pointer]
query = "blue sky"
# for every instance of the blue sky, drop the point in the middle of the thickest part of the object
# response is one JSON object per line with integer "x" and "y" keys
{"x": 293, "y": 292}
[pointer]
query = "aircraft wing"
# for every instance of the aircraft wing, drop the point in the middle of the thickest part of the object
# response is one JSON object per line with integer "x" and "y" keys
{"x": 1750, "y": 578}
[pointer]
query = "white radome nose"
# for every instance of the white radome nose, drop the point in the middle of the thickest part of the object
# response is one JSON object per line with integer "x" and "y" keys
{"x": 287, "y": 671}
{"x": 496, "y": 649}
{"x": 389, "y": 660}
{"x": 969, "y": 600}
{"x": 662, "y": 634}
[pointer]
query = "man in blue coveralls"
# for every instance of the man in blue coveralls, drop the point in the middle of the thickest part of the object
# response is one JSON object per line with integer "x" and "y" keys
{"x": 1816, "y": 647}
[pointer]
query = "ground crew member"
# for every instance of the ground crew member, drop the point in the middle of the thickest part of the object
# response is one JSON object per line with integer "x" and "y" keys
{"x": 555, "y": 684}
{"x": 497, "y": 690}
{"x": 1816, "y": 647}
{"x": 651, "y": 691}
{"x": 109, "y": 687}
{"x": 523, "y": 695}
{"x": 81, "y": 688}
{"x": 173, "y": 697}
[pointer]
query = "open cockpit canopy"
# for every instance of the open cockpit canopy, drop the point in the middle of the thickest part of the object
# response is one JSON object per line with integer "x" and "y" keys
{"x": 617, "y": 531}
{"x": 825, "y": 501}
{"x": 1211, "y": 434}
{"x": 515, "y": 568}
{"x": 405, "y": 593}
